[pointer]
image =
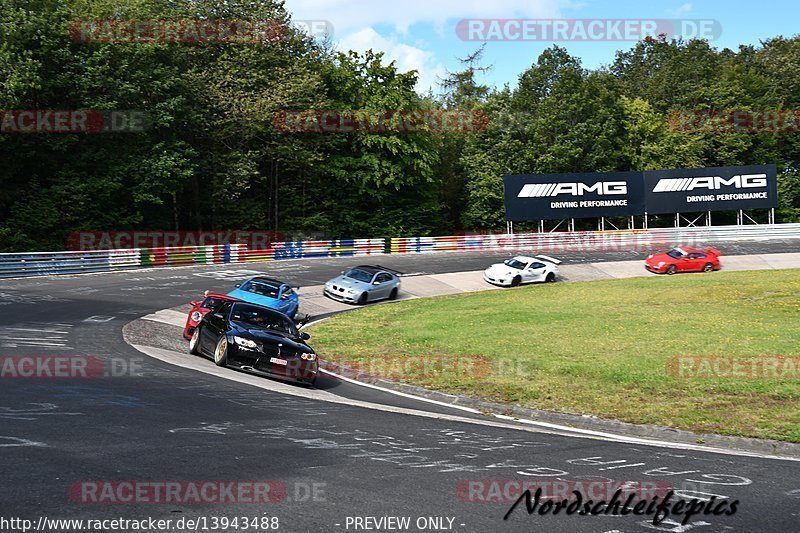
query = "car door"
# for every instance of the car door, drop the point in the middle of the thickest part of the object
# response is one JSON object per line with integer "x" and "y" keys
{"x": 285, "y": 304}
{"x": 700, "y": 261}
{"x": 690, "y": 262}
{"x": 214, "y": 327}
{"x": 381, "y": 286}
{"x": 534, "y": 272}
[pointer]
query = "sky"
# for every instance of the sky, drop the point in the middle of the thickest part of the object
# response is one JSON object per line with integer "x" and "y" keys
{"x": 431, "y": 35}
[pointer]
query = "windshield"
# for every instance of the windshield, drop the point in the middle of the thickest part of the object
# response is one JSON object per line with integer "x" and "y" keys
{"x": 261, "y": 288}
{"x": 515, "y": 263}
{"x": 252, "y": 316}
{"x": 358, "y": 275}
{"x": 676, "y": 253}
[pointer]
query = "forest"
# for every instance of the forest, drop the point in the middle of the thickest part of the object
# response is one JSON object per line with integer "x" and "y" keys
{"x": 218, "y": 153}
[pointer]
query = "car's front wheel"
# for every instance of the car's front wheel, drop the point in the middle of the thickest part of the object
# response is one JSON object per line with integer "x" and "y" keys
{"x": 194, "y": 342}
{"x": 516, "y": 281}
{"x": 362, "y": 299}
{"x": 221, "y": 352}
{"x": 708, "y": 267}
{"x": 671, "y": 270}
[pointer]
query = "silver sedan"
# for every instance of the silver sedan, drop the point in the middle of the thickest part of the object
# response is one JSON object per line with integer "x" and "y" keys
{"x": 363, "y": 284}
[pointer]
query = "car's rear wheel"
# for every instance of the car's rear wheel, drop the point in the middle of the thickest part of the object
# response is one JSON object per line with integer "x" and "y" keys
{"x": 671, "y": 269}
{"x": 516, "y": 281}
{"x": 550, "y": 278}
{"x": 221, "y": 352}
{"x": 194, "y": 342}
{"x": 708, "y": 267}
{"x": 393, "y": 294}
{"x": 362, "y": 299}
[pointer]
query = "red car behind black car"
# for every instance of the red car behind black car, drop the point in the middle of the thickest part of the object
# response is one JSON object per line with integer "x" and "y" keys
{"x": 200, "y": 309}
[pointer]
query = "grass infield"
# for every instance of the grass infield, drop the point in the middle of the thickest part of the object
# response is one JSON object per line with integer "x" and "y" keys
{"x": 711, "y": 353}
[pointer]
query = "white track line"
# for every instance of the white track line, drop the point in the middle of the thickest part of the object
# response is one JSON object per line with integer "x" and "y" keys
{"x": 541, "y": 427}
{"x": 195, "y": 363}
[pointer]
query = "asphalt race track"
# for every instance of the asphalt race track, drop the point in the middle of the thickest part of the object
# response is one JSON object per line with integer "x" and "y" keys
{"x": 329, "y": 465}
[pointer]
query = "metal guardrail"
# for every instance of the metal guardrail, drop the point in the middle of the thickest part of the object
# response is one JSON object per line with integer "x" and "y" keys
{"x": 20, "y": 265}
{"x": 17, "y": 265}
{"x": 619, "y": 240}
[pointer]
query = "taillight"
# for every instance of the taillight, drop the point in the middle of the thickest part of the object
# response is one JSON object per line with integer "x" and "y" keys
{"x": 197, "y": 316}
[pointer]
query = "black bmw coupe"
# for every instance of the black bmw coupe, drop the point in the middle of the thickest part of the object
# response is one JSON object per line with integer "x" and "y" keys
{"x": 255, "y": 339}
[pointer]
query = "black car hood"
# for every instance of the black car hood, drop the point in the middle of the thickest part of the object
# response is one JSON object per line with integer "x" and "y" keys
{"x": 269, "y": 337}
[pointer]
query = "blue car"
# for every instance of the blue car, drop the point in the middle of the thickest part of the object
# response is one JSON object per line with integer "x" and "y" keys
{"x": 270, "y": 293}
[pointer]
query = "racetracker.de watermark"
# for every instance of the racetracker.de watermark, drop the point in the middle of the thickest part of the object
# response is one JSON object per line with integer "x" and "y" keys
{"x": 586, "y": 30}
{"x": 124, "y": 240}
{"x": 192, "y": 31}
{"x": 401, "y": 367}
{"x": 716, "y": 367}
{"x": 27, "y": 121}
{"x": 734, "y": 120}
{"x": 510, "y": 490}
{"x": 380, "y": 121}
{"x": 195, "y": 492}
{"x": 553, "y": 243}
{"x": 67, "y": 367}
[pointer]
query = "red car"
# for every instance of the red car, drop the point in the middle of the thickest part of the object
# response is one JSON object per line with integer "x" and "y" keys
{"x": 199, "y": 310}
{"x": 683, "y": 259}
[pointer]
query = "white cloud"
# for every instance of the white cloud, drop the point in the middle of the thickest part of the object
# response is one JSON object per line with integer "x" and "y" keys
{"x": 407, "y": 57}
{"x": 682, "y": 10}
{"x": 353, "y": 15}
{"x": 354, "y": 23}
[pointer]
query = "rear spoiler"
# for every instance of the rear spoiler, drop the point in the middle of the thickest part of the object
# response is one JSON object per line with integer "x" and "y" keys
{"x": 548, "y": 259}
{"x": 714, "y": 251}
{"x": 387, "y": 269}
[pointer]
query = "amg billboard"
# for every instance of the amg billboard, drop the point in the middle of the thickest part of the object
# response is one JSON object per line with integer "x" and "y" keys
{"x": 558, "y": 196}
{"x": 711, "y": 189}
{"x": 608, "y": 194}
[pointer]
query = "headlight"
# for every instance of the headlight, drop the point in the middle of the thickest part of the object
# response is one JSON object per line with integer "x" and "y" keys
{"x": 245, "y": 343}
{"x": 309, "y": 356}
{"x": 197, "y": 316}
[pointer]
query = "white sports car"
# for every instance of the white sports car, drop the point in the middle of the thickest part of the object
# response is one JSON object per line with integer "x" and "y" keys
{"x": 522, "y": 269}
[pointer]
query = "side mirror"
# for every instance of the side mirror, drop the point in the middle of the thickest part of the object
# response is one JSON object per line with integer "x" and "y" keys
{"x": 376, "y": 282}
{"x": 193, "y": 303}
{"x": 305, "y": 336}
{"x": 305, "y": 320}
{"x": 237, "y": 285}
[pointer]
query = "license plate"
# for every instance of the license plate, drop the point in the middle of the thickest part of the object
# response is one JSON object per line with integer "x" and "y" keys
{"x": 277, "y": 361}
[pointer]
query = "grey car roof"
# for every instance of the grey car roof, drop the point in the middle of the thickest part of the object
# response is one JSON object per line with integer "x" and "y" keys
{"x": 369, "y": 269}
